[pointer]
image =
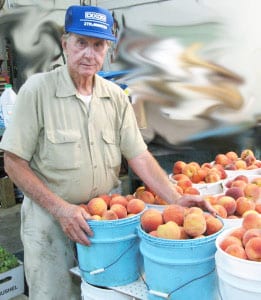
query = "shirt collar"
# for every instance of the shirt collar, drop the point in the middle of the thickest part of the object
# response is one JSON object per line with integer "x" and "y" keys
{"x": 67, "y": 88}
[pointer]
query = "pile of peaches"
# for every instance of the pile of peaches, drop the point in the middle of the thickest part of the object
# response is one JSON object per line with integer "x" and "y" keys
{"x": 245, "y": 242}
{"x": 232, "y": 161}
{"x": 178, "y": 223}
{"x": 186, "y": 174}
{"x": 242, "y": 194}
{"x": 113, "y": 207}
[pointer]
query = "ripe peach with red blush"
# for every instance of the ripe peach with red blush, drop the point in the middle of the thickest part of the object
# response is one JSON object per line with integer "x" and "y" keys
{"x": 151, "y": 219}
{"x": 135, "y": 206}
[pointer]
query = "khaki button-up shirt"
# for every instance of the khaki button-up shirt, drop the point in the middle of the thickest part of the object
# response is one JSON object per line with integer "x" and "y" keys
{"x": 76, "y": 152}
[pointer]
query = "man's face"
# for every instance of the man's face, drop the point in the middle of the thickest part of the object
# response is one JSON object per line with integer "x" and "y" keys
{"x": 85, "y": 55}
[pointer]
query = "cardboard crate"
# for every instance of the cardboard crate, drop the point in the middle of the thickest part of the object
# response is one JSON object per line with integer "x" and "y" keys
{"x": 12, "y": 283}
{"x": 7, "y": 196}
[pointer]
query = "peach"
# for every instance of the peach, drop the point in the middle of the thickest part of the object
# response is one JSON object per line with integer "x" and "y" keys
{"x": 232, "y": 155}
{"x": 240, "y": 165}
{"x": 96, "y": 217}
{"x": 129, "y": 197}
{"x": 169, "y": 230}
{"x": 231, "y": 167}
{"x": 183, "y": 234}
{"x": 221, "y": 211}
{"x": 206, "y": 166}
{"x": 244, "y": 204}
{"x": 153, "y": 233}
{"x": 119, "y": 200}
{"x": 189, "y": 170}
{"x": 184, "y": 184}
{"x": 181, "y": 176}
{"x": 194, "y": 224}
{"x": 256, "y": 181}
{"x": 147, "y": 197}
{"x": 193, "y": 210}
{"x": 251, "y": 211}
{"x": 213, "y": 225}
{"x": 199, "y": 175}
{"x": 139, "y": 191}
{"x": 238, "y": 232}
{"x": 237, "y": 251}
{"x": 160, "y": 201}
{"x": 253, "y": 249}
{"x": 245, "y": 153}
{"x": 251, "y": 220}
{"x": 106, "y": 198}
{"x": 221, "y": 171}
{"x": 212, "y": 176}
{"x": 177, "y": 167}
{"x": 109, "y": 215}
{"x": 229, "y": 240}
{"x": 249, "y": 234}
{"x": 228, "y": 203}
{"x": 258, "y": 207}
{"x": 173, "y": 212}
{"x": 97, "y": 206}
{"x": 151, "y": 219}
{"x": 191, "y": 191}
{"x": 252, "y": 191}
{"x": 238, "y": 183}
{"x": 241, "y": 177}
{"x": 120, "y": 210}
{"x": 135, "y": 206}
{"x": 222, "y": 159}
{"x": 250, "y": 160}
{"x": 234, "y": 192}
{"x": 211, "y": 199}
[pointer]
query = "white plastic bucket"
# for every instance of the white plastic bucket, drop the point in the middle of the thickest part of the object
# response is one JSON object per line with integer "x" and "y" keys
{"x": 232, "y": 223}
{"x": 237, "y": 278}
{"x": 91, "y": 292}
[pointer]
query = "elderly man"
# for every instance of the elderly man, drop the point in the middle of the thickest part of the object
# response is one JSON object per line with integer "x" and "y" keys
{"x": 63, "y": 147}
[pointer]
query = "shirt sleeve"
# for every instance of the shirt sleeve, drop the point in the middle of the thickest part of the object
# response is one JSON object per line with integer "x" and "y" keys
{"x": 132, "y": 142}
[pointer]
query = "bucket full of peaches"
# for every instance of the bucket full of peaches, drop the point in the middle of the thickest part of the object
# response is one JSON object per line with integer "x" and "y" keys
{"x": 238, "y": 260}
{"x": 242, "y": 194}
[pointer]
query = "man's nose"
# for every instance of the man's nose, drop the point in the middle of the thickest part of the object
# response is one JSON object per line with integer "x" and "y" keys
{"x": 88, "y": 51}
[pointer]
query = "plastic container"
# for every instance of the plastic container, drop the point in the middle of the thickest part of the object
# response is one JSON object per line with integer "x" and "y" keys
{"x": 238, "y": 278}
{"x": 113, "y": 259}
{"x": 232, "y": 223}
{"x": 7, "y": 102}
{"x": 179, "y": 269}
{"x": 211, "y": 188}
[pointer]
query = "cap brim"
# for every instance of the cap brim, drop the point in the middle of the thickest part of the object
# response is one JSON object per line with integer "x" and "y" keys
{"x": 94, "y": 34}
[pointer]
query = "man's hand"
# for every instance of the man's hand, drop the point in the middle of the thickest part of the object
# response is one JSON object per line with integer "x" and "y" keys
{"x": 195, "y": 200}
{"x": 72, "y": 219}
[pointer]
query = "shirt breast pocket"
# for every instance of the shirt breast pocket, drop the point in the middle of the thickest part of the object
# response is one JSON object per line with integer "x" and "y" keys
{"x": 112, "y": 153}
{"x": 64, "y": 149}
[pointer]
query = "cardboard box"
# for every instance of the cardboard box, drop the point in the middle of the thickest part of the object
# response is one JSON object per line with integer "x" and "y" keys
{"x": 12, "y": 283}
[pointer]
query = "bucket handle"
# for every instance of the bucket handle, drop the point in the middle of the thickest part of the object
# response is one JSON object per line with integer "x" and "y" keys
{"x": 167, "y": 296}
{"x": 100, "y": 270}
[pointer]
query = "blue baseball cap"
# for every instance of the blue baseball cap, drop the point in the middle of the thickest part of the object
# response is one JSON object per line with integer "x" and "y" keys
{"x": 91, "y": 21}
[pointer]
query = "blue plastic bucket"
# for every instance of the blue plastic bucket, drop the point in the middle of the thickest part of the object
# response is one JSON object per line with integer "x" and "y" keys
{"x": 113, "y": 259}
{"x": 179, "y": 269}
